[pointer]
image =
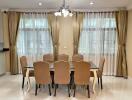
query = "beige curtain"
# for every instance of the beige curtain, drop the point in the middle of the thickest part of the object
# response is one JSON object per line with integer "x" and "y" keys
{"x": 77, "y": 25}
{"x": 121, "y": 23}
{"x": 54, "y": 30}
{"x": 13, "y": 22}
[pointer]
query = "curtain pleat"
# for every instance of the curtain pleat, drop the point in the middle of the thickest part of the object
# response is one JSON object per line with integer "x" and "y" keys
{"x": 54, "y": 29}
{"x": 13, "y": 22}
{"x": 98, "y": 38}
{"x": 77, "y": 26}
{"x": 121, "y": 24}
{"x": 34, "y": 39}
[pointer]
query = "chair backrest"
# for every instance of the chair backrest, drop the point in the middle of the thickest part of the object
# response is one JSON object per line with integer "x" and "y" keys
{"x": 101, "y": 65}
{"x": 63, "y": 57}
{"x": 77, "y": 57}
{"x": 23, "y": 62}
{"x": 48, "y": 58}
{"x": 42, "y": 72}
{"x": 81, "y": 73}
{"x": 62, "y": 72}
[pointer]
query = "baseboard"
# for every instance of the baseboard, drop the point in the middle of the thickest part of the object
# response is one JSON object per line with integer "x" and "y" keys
{"x": 8, "y": 73}
{"x": 2, "y": 74}
{"x": 129, "y": 77}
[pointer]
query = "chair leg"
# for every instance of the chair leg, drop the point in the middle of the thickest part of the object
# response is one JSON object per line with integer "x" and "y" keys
{"x": 74, "y": 90}
{"x": 69, "y": 90}
{"x": 57, "y": 86}
{"x": 101, "y": 83}
{"x": 52, "y": 77}
{"x": 49, "y": 89}
{"x": 55, "y": 89}
{"x": 36, "y": 89}
{"x": 23, "y": 82}
{"x": 39, "y": 86}
{"x": 98, "y": 80}
{"x": 88, "y": 91}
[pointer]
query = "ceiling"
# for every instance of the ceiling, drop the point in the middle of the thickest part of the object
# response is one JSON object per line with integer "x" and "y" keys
{"x": 55, "y": 4}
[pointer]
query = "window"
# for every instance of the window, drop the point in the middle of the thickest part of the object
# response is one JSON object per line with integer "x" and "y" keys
{"x": 34, "y": 38}
{"x": 98, "y": 34}
{"x": 98, "y": 38}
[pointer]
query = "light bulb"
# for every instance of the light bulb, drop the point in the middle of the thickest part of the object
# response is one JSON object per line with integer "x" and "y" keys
{"x": 65, "y": 14}
{"x": 56, "y": 13}
{"x": 59, "y": 13}
{"x": 63, "y": 10}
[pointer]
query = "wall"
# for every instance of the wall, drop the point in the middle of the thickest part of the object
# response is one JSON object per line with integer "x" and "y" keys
{"x": 6, "y": 41}
{"x": 1, "y": 29}
{"x": 129, "y": 44}
{"x": 66, "y": 36}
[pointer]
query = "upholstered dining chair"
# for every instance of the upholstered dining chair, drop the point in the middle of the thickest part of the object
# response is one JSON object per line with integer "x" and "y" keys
{"x": 48, "y": 58}
{"x": 42, "y": 75}
{"x": 63, "y": 57}
{"x": 81, "y": 75}
{"x": 100, "y": 71}
{"x": 23, "y": 62}
{"x": 77, "y": 57}
{"x": 62, "y": 74}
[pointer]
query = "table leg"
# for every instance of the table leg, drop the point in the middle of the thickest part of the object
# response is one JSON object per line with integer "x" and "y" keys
{"x": 28, "y": 80}
{"x": 95, "y": 80}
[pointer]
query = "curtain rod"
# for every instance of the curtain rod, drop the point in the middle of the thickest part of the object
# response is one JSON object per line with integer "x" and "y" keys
{"x": 73, "y": 12}
{"x": 49, "y": 11}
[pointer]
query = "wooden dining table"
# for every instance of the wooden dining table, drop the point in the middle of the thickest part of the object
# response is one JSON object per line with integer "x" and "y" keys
{"x": 93, "y": 69}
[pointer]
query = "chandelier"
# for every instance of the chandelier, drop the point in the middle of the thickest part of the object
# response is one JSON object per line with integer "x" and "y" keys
{"x": 64, "y": 11}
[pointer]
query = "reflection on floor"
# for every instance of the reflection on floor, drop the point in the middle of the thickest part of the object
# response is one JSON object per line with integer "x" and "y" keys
{"x": 114, "y": 89}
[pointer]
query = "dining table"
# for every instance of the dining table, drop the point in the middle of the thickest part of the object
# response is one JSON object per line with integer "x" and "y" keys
{"x": 93, "y": 68}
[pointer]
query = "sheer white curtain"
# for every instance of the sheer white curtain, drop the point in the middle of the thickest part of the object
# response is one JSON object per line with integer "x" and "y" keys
{"x": 34, "y": 38}
{"x": 98, "y": 38}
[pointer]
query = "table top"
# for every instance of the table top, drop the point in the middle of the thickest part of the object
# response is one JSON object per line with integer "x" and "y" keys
{"x": 93, "y": 66}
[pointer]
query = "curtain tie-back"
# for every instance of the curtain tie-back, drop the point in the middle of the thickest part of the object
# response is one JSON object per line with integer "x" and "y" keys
{"x": 55, "y": 45}
{"x": 75, "y": 45}
{"x": 122, "y": 45}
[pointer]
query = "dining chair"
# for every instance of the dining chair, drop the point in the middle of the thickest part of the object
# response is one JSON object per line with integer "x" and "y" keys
{"x": 62, "y": 74}
{"x": 23, "y": 62}
{"x": 100, "y": 71}
{"x": 48, "y": 58}
{"x": 77, "y": 57}
{"x": 81, "y": 75}
{"x": 63, "y": 57}
{"x": 42, "y": 75}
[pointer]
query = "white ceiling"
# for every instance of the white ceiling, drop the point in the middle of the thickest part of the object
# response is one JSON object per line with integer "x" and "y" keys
{"x": 55, "y": 4}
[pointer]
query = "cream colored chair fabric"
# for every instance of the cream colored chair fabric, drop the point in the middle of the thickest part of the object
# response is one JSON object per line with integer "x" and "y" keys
{"x": 23, "y": 62}
{"x": 62, "y": 74}
{"x": 48, "y": 58}
{"x": 81, "y": 75}
{"x": 42, "y": 74}
{"x": 100, "y": 71}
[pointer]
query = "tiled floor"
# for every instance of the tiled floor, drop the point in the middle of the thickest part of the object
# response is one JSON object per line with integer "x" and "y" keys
{"x": 114, "y": 89}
